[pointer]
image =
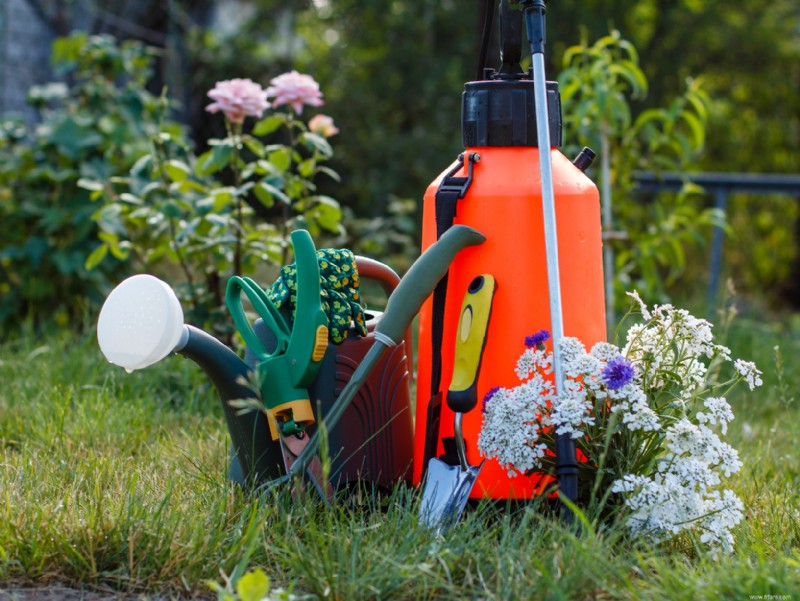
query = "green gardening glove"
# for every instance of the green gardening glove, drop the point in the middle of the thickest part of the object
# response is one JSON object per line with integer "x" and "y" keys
{"x": 339, "y": 293}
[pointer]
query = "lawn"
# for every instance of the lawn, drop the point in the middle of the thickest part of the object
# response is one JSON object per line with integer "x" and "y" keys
{"x": 116, "y": 482}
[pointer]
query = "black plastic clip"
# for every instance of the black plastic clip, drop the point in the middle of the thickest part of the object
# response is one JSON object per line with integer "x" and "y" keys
{"x": 459, "y": 185}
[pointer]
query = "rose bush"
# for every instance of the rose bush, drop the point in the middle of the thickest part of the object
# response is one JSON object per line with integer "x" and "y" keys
{"x": 231, "y": 208}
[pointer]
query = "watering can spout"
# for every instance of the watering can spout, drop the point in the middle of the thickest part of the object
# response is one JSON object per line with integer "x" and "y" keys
{"x": 141, "y": 323}
{"x": 227, "y": 371}
{"x": 255, "y": 457}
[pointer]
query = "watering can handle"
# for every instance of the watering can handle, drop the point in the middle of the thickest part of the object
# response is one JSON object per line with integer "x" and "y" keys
{"x": 380, "y": 272}
{"x": 266, "y": 310}
{"x": 309, "y": 336}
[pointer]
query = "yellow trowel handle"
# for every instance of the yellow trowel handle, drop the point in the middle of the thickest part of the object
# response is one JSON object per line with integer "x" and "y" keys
{"x": 470, "y": 340}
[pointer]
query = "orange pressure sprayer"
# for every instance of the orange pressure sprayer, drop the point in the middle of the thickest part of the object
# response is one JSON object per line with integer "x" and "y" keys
{"x": 495, "y": 187}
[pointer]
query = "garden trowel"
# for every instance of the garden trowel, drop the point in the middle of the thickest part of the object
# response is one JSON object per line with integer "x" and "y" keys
{"x": 447, "y": 487}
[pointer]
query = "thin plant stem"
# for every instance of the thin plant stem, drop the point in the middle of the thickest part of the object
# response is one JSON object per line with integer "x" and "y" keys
{"x": 235, "y": 131}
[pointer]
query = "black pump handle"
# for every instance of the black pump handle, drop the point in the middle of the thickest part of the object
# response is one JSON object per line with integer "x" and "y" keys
{"x": 510, "y": 39}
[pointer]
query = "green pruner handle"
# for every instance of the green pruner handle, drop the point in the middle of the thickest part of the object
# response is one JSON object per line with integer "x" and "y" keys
{"x": 265, "y": 309}
{"x": 309, "y": 337}
{"x": 420, "y": 280}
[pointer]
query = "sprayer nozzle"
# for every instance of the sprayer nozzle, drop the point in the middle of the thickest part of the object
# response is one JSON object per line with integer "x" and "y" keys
{"x": 534, "y": 24}
{"x": 584, "y": 159}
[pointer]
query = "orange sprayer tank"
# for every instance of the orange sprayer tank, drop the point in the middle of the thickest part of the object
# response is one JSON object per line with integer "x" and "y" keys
{"x": 504, "y": 203}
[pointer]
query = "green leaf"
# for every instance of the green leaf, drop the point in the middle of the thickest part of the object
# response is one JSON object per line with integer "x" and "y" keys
{"x": 66, "y": 50}
{"x": 150, "y": 188}
{"x": 205, "y": 205}
{"x": 317, "y": 143}
{"x": 95, "y": 187}
{"x": 221, "y": 155}
{"x": 96, "y": 256}
{"x": 72, "y": 136}
{"x": 221, "y": 198}
{"x": 178, "y": 171}
{"x": 327, "y": 213}
{"x": 222, "y": 595}
{"x": 121, "y": 251}
{"x": 330, "y": 173}
{"x": 255, "y": 145}
{"x": 698, "y": 131}
{"x": 142, "y": 166}
{"x": 171, "y": 209}
{"x": 635, "y": 77}
{"x": 296, "y": 187}
{"x": 697, "y": 100}
{"x": 215, "y": 159}
{"x": 188, "y": 186}
{"x": 268, "y": 125}
{"x": 267, "y": 193}
{"x": 281, "y": 159}
{"x": 253, "y": 586}
{"x": 222, "y": 221}
{"x": 130, "y": 199}
{"x": 306, "y": 168}
{"x": 109, "y": 238}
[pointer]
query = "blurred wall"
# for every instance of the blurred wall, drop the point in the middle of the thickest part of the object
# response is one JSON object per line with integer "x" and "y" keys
{"x": 25, "y": 40}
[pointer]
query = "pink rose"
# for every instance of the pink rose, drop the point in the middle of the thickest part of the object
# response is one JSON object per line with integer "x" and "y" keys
{"x": 294, "y": 89}
{"x": 322, "y": 125}
{"x": 238, "y": 98}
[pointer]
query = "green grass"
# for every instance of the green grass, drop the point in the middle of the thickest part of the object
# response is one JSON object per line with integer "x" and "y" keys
{"x": 115, "y": 481}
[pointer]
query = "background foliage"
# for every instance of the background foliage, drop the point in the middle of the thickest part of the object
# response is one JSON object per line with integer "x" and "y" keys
{"x": 96, "y": 128}
{"x": 392, "y": 74}
{"x": 141, "y": 460}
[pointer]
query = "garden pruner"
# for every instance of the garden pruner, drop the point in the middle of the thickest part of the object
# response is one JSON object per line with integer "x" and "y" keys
{"x": 284, "y": 374}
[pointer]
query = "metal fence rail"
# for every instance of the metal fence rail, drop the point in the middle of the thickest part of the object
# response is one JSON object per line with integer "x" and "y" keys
{"x": 720, "y": 185}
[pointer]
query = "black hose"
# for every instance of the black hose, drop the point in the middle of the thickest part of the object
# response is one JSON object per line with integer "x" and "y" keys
{"x": 486, "y": 37}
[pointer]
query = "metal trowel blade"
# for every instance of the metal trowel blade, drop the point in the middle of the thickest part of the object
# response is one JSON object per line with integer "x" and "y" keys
{"x": 445, "y": 495}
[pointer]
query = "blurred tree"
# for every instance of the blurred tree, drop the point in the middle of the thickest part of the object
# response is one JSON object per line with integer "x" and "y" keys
{"x": 748, "y": 54}
{"x": 393, "y": 75}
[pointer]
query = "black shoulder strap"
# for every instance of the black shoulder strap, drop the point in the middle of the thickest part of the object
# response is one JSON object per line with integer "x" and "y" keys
{"x": 449, "y": 192}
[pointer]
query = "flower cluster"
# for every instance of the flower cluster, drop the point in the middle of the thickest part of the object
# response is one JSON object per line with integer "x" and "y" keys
{"x": 649, "y": 416}
{"x": 240, "y": 98}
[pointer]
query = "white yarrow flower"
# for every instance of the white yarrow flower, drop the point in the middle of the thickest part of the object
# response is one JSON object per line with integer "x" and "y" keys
{"x": 652, "y": 398}
{"x": 642, "y": 307}
{"x": 750, "y": 373}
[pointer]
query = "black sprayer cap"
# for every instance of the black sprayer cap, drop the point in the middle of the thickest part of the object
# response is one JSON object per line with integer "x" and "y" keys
{"x": 502, "y": 113}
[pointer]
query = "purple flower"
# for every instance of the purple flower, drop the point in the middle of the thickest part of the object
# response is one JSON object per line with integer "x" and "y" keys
{"x": 488, "y": 397}
{"x": 537, "y": 340}
{"x": 617, "y": 373}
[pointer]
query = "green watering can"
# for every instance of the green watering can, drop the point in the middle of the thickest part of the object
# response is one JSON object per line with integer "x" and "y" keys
{"x": 141, "y": 323}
